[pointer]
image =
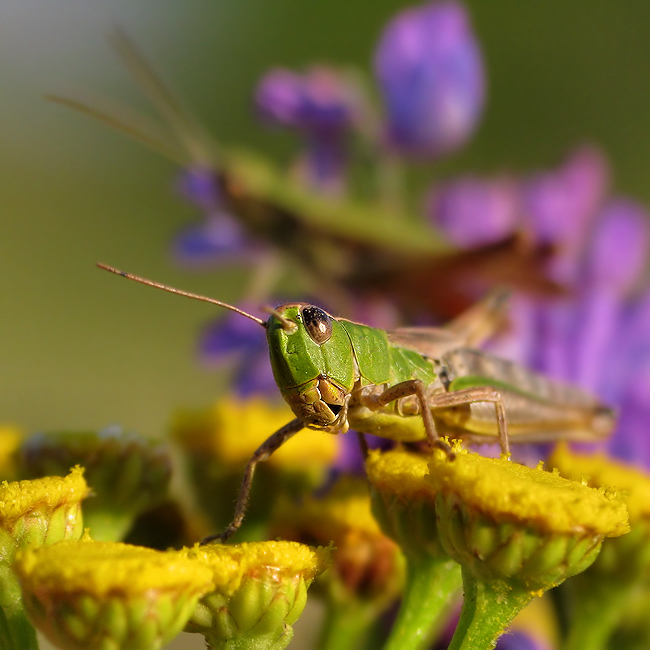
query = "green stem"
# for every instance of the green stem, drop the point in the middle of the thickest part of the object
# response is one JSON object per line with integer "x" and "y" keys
{"x": 488, "y": 608}
{"x": 431, "y": 584}
{"x": 346, "y": 625}
{"x": 108, "y": 525}
{"x": 16, "y": 632}
{"x": 596, "y": 612}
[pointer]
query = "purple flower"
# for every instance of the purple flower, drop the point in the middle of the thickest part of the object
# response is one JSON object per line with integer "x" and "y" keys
{"x": 472, "y": 211}
{"x": 430, "y": 71}
{"x": 218, "y": 238}
{"x": 324, "y": 106}
{"x": 241, "y": 344}
{"x": 320, "y": 102}
{"x": 560, "y": 205}
{"x": 518, "y": 640}
{"x": 598, "y": 336}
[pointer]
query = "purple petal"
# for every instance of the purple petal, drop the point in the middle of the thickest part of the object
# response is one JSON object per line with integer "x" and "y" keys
{"x": 595, "y": 324}
{"x": 561, "y": 205}
{"x": 518, "y": 640}
{"x": 200, "y": 186}
{"x": 254, "y": 376}
{"x": 473, "y": 211}
{"x": 631, "y": 442}
{"x": 320, "y": 102}
{"x": 619, "y": 247}
{"x": 232, "y": 335}
{"x": 216, "y": 240}
{"x": 430, "y": 71}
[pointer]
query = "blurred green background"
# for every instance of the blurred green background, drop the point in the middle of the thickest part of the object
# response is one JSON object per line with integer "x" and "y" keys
{"x": 82, "y": 349}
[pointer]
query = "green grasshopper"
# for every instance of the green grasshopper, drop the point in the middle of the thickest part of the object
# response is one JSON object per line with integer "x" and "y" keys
{"x": 408, "y": 385}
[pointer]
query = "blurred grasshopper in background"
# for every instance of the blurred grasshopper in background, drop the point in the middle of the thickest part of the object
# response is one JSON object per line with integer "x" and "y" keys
{"x": 346, "y": 249}
{"x": 410, "y": 384}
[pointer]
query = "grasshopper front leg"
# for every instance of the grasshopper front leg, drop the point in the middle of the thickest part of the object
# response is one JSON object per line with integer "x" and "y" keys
{"x": 262, "y": 453}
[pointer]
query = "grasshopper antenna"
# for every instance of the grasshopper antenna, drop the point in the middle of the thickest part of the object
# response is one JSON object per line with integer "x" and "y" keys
{"x": 187, "y": 294}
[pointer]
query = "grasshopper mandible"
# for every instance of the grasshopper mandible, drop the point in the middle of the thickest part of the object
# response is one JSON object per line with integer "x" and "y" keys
{"x": 410, "y": 384}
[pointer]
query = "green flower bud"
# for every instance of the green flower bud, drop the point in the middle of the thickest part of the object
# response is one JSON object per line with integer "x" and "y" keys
{"x": 603, "y": 596}
{"x": 32, "y": 514}
{"x": 502, "y": 520}
{"x": 127, "y": 473}
{"x": 516, "y": 532}
{"x": 89, "y": 594}
{"x": 258, "y": 590}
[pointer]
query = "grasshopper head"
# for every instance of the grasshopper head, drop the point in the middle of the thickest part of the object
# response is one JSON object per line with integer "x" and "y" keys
{"x": 313, "y": 364}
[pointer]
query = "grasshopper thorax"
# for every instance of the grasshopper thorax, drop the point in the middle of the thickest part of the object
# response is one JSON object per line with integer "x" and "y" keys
{"x": 313, "y": 364}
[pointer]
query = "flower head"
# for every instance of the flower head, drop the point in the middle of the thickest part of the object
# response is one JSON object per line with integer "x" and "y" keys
{"x": 430, "y": 72}
{"x": 366, "y": 563}
{"x": 220, "y": 440}
{"x": 10, "y": 438}
{"x": 127, "y": 473}
{"x": 257, "y": 592}
{"x": 89, "y": 594}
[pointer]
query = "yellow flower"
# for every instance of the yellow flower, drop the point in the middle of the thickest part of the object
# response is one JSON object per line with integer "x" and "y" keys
{"x": 403, "y": 502}
{"x": 516, "y": 532}
{"x": 89, "y": 594}
{"x": 258, "y": 590}
{"x": 233, "y": 428}
{"x": 34, "y": 513}
{"x": 10, "y": 438}
{"x": 367, "y": 563}
{"x": 46, "y": 507}
{"x": 219, "y": 443}
{"x": 508, "y": 520}
{"x": 604, "y": 595}
{"x": 127, "y": 473}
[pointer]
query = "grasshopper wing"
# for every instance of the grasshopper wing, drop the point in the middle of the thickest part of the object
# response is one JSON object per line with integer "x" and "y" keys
{"x": 474, "y": 326}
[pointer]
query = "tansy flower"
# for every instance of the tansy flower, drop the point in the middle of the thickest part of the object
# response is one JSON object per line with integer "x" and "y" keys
{"x": 405, "y": 505}
{"x": 257, "y": 592}
{"x": 88, "y": 594}
{"x": 220, "y": 440}
{"x": 127, "y": 473}
{"x": 516, "y": 532}
{"x": 602, "y": 595}
{"x": 367, "y": 573}
{"x": 33, "y": 513}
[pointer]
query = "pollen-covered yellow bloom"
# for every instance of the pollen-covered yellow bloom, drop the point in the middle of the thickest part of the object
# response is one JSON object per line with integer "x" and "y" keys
{"x": 219, "y": 442}
{"x": 506, "y": 520}
{"x": 258, "y": 591}
{"x": 600, "y": 470}
{"x": 233, "y": 428}
{"x": 10, "y": 438}
{"x": 86, "y": 594}
{"x": 34, "y": 513}
{"x": 43, "y": 503}
{"x": 403, "y": 502}
{"x": 606, "y": 594}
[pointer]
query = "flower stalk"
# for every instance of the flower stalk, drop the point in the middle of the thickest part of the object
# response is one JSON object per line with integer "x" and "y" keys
{"x": 404, "y": 505}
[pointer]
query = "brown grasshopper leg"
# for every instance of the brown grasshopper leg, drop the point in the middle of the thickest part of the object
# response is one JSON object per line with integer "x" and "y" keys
{"x": 472, "y": 396}
{"x": 261, "y": 454}
{"x": 363, "y": 443}
{"x": 417, "y": 387}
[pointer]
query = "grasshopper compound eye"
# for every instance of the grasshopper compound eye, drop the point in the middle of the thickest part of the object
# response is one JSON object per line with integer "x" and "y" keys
{"x": 317, "y": 323}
